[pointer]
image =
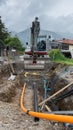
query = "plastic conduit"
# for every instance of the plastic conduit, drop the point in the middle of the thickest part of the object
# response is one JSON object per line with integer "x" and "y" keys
{"x": 54, "y": 117}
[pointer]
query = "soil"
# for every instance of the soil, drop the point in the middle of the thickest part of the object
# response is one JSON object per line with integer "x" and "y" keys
{"x": 11, "y": 115}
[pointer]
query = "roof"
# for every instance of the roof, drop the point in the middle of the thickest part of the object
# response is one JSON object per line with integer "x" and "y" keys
{"x": 66, "y": 41}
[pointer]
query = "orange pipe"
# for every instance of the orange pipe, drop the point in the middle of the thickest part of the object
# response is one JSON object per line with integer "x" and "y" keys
{"x": 54, "y": 117}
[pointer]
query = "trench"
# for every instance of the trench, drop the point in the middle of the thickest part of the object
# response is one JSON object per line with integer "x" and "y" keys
{"x": 54, "y": 82}
{"x": 54, "y": 76}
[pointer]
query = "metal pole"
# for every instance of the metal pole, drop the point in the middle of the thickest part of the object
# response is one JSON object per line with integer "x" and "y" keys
{"x": 45, "y": 89}
{"x": 35, "y": 101}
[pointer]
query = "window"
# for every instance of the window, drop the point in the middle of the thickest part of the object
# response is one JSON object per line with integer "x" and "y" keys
{"x": 65, "y": 46}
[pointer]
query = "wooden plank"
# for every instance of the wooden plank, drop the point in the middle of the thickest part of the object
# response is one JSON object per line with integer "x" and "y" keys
{"x": 48, "y": 108}
{"x": 58, "y": 92}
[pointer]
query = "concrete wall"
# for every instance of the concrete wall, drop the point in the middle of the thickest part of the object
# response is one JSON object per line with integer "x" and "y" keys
{"x": 70, "y": 47}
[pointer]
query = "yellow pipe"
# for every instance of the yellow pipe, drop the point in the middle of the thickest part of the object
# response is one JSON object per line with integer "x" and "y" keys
{"x": 54, "y": 117}
{"x": 28, "y": 73}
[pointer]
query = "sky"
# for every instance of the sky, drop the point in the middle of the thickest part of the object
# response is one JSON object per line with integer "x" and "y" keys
{"x": 54, "y": 15}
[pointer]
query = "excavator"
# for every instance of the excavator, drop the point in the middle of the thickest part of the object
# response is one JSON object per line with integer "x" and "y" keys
{"x": 38, "y": 42}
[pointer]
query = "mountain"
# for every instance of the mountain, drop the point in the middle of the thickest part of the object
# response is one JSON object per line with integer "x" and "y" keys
{"x": 66, "y": 35}
{"x": 13, "y": 33}
{"x": 25, "y": 36}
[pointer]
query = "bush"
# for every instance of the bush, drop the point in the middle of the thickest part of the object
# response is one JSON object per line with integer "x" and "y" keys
{"x": 56, "y": 55}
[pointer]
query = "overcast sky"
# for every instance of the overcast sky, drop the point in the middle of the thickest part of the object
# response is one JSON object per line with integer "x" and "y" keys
{"x": 54, "y": 15}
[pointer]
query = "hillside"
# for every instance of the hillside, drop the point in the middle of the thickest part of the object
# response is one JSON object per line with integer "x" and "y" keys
{"x": 25, "y": 35}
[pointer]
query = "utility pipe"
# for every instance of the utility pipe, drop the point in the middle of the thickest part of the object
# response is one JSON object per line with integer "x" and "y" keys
{"x": 54, "y": 117}
{"x": 61, "y": 90}
{"x": 35, "y": 100}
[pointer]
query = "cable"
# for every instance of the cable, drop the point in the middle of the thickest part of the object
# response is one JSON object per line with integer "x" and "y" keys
{"x": 63, "y": 96}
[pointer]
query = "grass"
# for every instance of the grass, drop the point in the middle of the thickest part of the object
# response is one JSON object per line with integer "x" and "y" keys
{"x": 57, "y": 56}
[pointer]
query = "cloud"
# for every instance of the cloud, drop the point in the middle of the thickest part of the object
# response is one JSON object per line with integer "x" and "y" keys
{"x": 58, "y": 24}
{"x": 3, "y": 2}
{"x": 54, "y": 15}
{"x": 37, "y": 7}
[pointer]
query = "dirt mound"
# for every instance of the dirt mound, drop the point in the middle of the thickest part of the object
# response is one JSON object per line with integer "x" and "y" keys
{"x": 8, "y": 90}
{"x": 4, "y": 70}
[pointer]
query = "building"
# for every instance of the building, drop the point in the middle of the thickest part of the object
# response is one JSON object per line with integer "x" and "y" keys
{"x": 66, "y": 44}
{"x": 67, "y": 47}
{"x": 53, "y": 45}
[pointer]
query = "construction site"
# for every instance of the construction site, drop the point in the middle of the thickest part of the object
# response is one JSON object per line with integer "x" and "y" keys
{"x": 35, "y": 92}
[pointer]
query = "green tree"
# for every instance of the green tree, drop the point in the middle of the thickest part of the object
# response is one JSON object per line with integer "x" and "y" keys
{"x": 14, "y": 42}
{"x": 3, "y": 31}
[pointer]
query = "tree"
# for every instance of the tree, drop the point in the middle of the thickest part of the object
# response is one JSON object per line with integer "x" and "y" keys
{"x": 3, "y": 31}
{"x": 14, "y": 42}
